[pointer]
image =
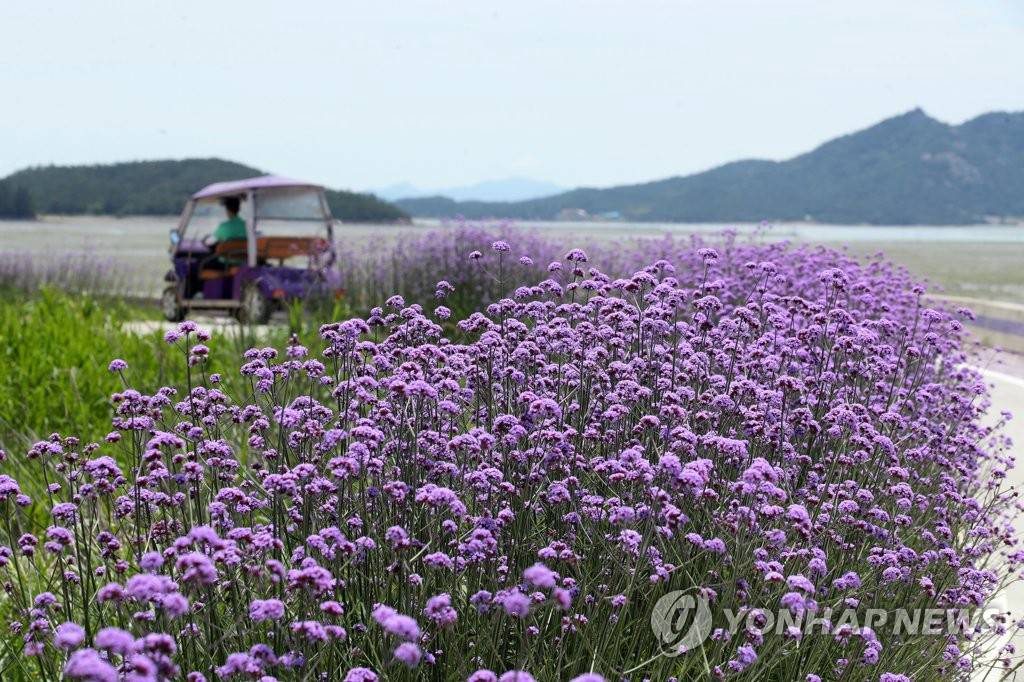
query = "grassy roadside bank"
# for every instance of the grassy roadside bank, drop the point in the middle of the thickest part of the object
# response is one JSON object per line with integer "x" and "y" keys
{"x": 55, "y": 354}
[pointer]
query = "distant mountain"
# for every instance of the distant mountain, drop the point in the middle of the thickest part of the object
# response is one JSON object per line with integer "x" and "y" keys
{"x": 909, "y": 169}
{"x": 507, "y": 189}
{"x": 399, "y": 190}
{"x": 160, "y": 188}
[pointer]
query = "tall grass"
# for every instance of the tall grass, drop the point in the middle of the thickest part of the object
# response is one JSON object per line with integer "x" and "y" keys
{"x": 56, "y": 347}
{"x": 54, "y": 357}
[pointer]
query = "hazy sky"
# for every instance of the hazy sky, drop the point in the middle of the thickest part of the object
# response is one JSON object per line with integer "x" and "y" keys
{"x": 363, "y": 94}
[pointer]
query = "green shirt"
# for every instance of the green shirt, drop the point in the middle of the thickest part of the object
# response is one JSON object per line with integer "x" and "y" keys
{"x": 230, "y": 229}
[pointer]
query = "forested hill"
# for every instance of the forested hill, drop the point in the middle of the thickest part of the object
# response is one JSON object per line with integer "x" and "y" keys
{"x": 910, "y": 169}
{"x": 15, "y": 201}
{"x": 159, "y": 188}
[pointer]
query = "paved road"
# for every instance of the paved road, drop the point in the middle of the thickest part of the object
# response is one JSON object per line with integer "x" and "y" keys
{"x": 1007, "y": 389}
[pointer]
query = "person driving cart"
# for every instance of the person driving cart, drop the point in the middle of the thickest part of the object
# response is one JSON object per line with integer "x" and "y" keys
{"x": 232, "y": 229}
{"x": 234, "y": 226}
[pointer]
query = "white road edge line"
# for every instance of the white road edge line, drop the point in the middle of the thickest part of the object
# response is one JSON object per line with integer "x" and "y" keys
{"x": 999, "y": 376}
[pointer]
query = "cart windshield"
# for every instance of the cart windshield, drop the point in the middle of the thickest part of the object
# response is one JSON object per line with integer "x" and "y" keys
{"x": 207, "y": 214}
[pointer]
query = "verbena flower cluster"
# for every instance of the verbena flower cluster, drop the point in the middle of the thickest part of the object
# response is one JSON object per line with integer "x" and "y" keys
{"x": 410, "y": 264}
{"x": 773, "y": 427}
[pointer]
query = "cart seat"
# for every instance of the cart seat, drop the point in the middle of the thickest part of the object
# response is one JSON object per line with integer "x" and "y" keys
{"x": 235, "y": 249}
{"x": 273, "y": 248}
{"x": 287, "y": 247}
{"x": 218, "y": 274}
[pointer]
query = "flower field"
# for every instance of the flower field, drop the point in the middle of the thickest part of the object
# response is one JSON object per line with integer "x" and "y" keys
{"x": 498, "y": 471}
{"x": 82, "y": 272}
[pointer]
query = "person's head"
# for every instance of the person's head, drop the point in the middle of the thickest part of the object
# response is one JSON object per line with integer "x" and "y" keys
{"x": 231, "y": 205}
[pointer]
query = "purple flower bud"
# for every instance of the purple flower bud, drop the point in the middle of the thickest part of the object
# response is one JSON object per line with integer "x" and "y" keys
{"x": 360, "y": 675}
{"x": 86, "y": 664}
{"x": 408, "y": 653}
{"x": 69, "y": 635}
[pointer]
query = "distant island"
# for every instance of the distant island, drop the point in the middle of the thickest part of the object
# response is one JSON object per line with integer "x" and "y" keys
{"x": 149, "y": 188}
{"x": 909, "y": 169}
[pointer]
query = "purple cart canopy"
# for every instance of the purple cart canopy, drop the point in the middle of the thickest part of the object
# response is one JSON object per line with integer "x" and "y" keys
{"x": 221, "y": 189}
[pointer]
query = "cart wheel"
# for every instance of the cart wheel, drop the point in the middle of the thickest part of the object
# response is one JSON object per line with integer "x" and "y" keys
{"x": 169, "y": 305}
{"x": 255, "y": 308}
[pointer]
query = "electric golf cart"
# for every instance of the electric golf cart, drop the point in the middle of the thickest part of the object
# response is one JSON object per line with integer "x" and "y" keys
{"x": 286, "y": 252}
